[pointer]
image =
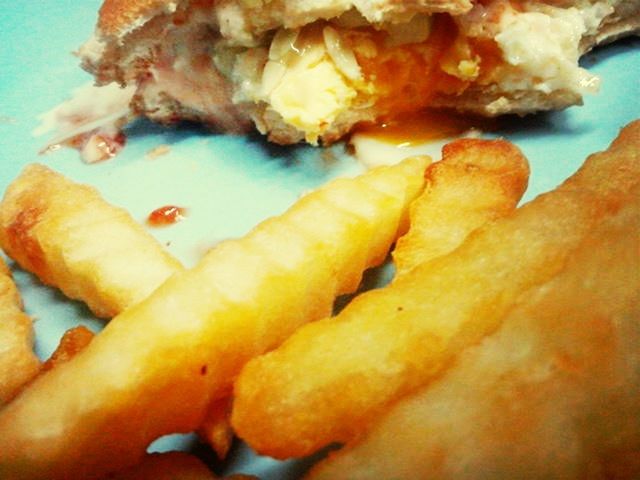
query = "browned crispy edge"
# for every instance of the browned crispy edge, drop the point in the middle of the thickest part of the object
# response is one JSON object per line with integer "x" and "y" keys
{"x": 119, "y": 16}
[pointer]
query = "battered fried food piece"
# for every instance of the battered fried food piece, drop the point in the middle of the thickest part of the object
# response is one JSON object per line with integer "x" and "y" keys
{"x": 70, "y": 237}
{"x": 18, "y": 363}
{"x": 158, "y": 366}
{"x": 554, "y": 393}
{"x": 476, "y": 182}
{"x": 331, "y": 379}
{"x": 72, "y": 342}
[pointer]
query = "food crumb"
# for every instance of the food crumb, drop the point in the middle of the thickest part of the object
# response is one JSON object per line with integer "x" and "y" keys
{"x": 158, "y": 151}
{"x": 166, "y": 215}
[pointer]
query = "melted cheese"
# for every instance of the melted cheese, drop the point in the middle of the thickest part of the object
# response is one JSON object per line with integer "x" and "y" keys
{"x": 311, "y": 98}
{"x": 308, "y": 78}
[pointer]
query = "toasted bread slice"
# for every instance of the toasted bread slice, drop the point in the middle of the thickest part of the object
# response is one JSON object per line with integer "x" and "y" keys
{"x": 312, "y": 70}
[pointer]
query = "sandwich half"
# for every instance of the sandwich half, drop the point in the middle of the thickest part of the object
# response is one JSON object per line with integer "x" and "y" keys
{"x": 312, "y": 70}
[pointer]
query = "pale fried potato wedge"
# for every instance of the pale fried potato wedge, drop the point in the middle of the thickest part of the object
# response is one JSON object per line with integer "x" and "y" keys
{"x": 18, "y": 363}
{"x": 156, "y": 367}
{"x": 70, "y": 237}
{"x": 331, "y": 379}
{"x": 554, "y": 393}
{"x": 476, "y": 182}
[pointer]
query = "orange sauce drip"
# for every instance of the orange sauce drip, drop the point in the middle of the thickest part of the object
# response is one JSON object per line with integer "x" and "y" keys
{"x": 414, "y": 128}
{"x": 167, "y": 215}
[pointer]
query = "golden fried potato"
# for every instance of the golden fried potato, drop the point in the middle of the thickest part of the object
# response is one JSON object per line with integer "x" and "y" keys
{"x": 554, "y": 393}
{"x": 216, "y": 428}
{"x": 157, "y": 367}
{"x": 331, "y": 379}
{"x": 18, "y": 363}
{"x": 476, "y": 182}
{"x": 167, "y": 466}
{"x": 72, "y": 342}
{"x": 71, "y": 238}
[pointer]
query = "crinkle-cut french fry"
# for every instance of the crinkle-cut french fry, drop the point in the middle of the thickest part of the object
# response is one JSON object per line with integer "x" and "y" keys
{"x": 476, "y": 182}
{"x": 71, "y": 238}
{"x": 167, "y": 466}
{"x": 156, "y": 367}
{"x": 554, "y": 393}
{"x": 18, "y": 363}
{"x": 348, "y": 204}
{"x": 330, "y": 379}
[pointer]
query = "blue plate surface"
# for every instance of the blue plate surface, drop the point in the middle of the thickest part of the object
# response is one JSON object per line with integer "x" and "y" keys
{"x": 230, "y": 183}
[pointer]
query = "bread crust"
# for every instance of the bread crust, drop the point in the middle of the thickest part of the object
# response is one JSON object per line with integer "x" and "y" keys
{"x": 624, "y": 22}
{"x": 243, "y": 21}
{"x": 118, "y": 17}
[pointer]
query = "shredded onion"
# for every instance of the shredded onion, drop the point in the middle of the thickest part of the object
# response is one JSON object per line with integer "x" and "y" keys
{"x": 343, "y": 58}
{"x": 271, "y": 76}
{"x": 283, "y": 42}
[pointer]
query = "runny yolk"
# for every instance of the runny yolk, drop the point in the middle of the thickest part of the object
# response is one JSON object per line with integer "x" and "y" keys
{"x": 407, "y": 77}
